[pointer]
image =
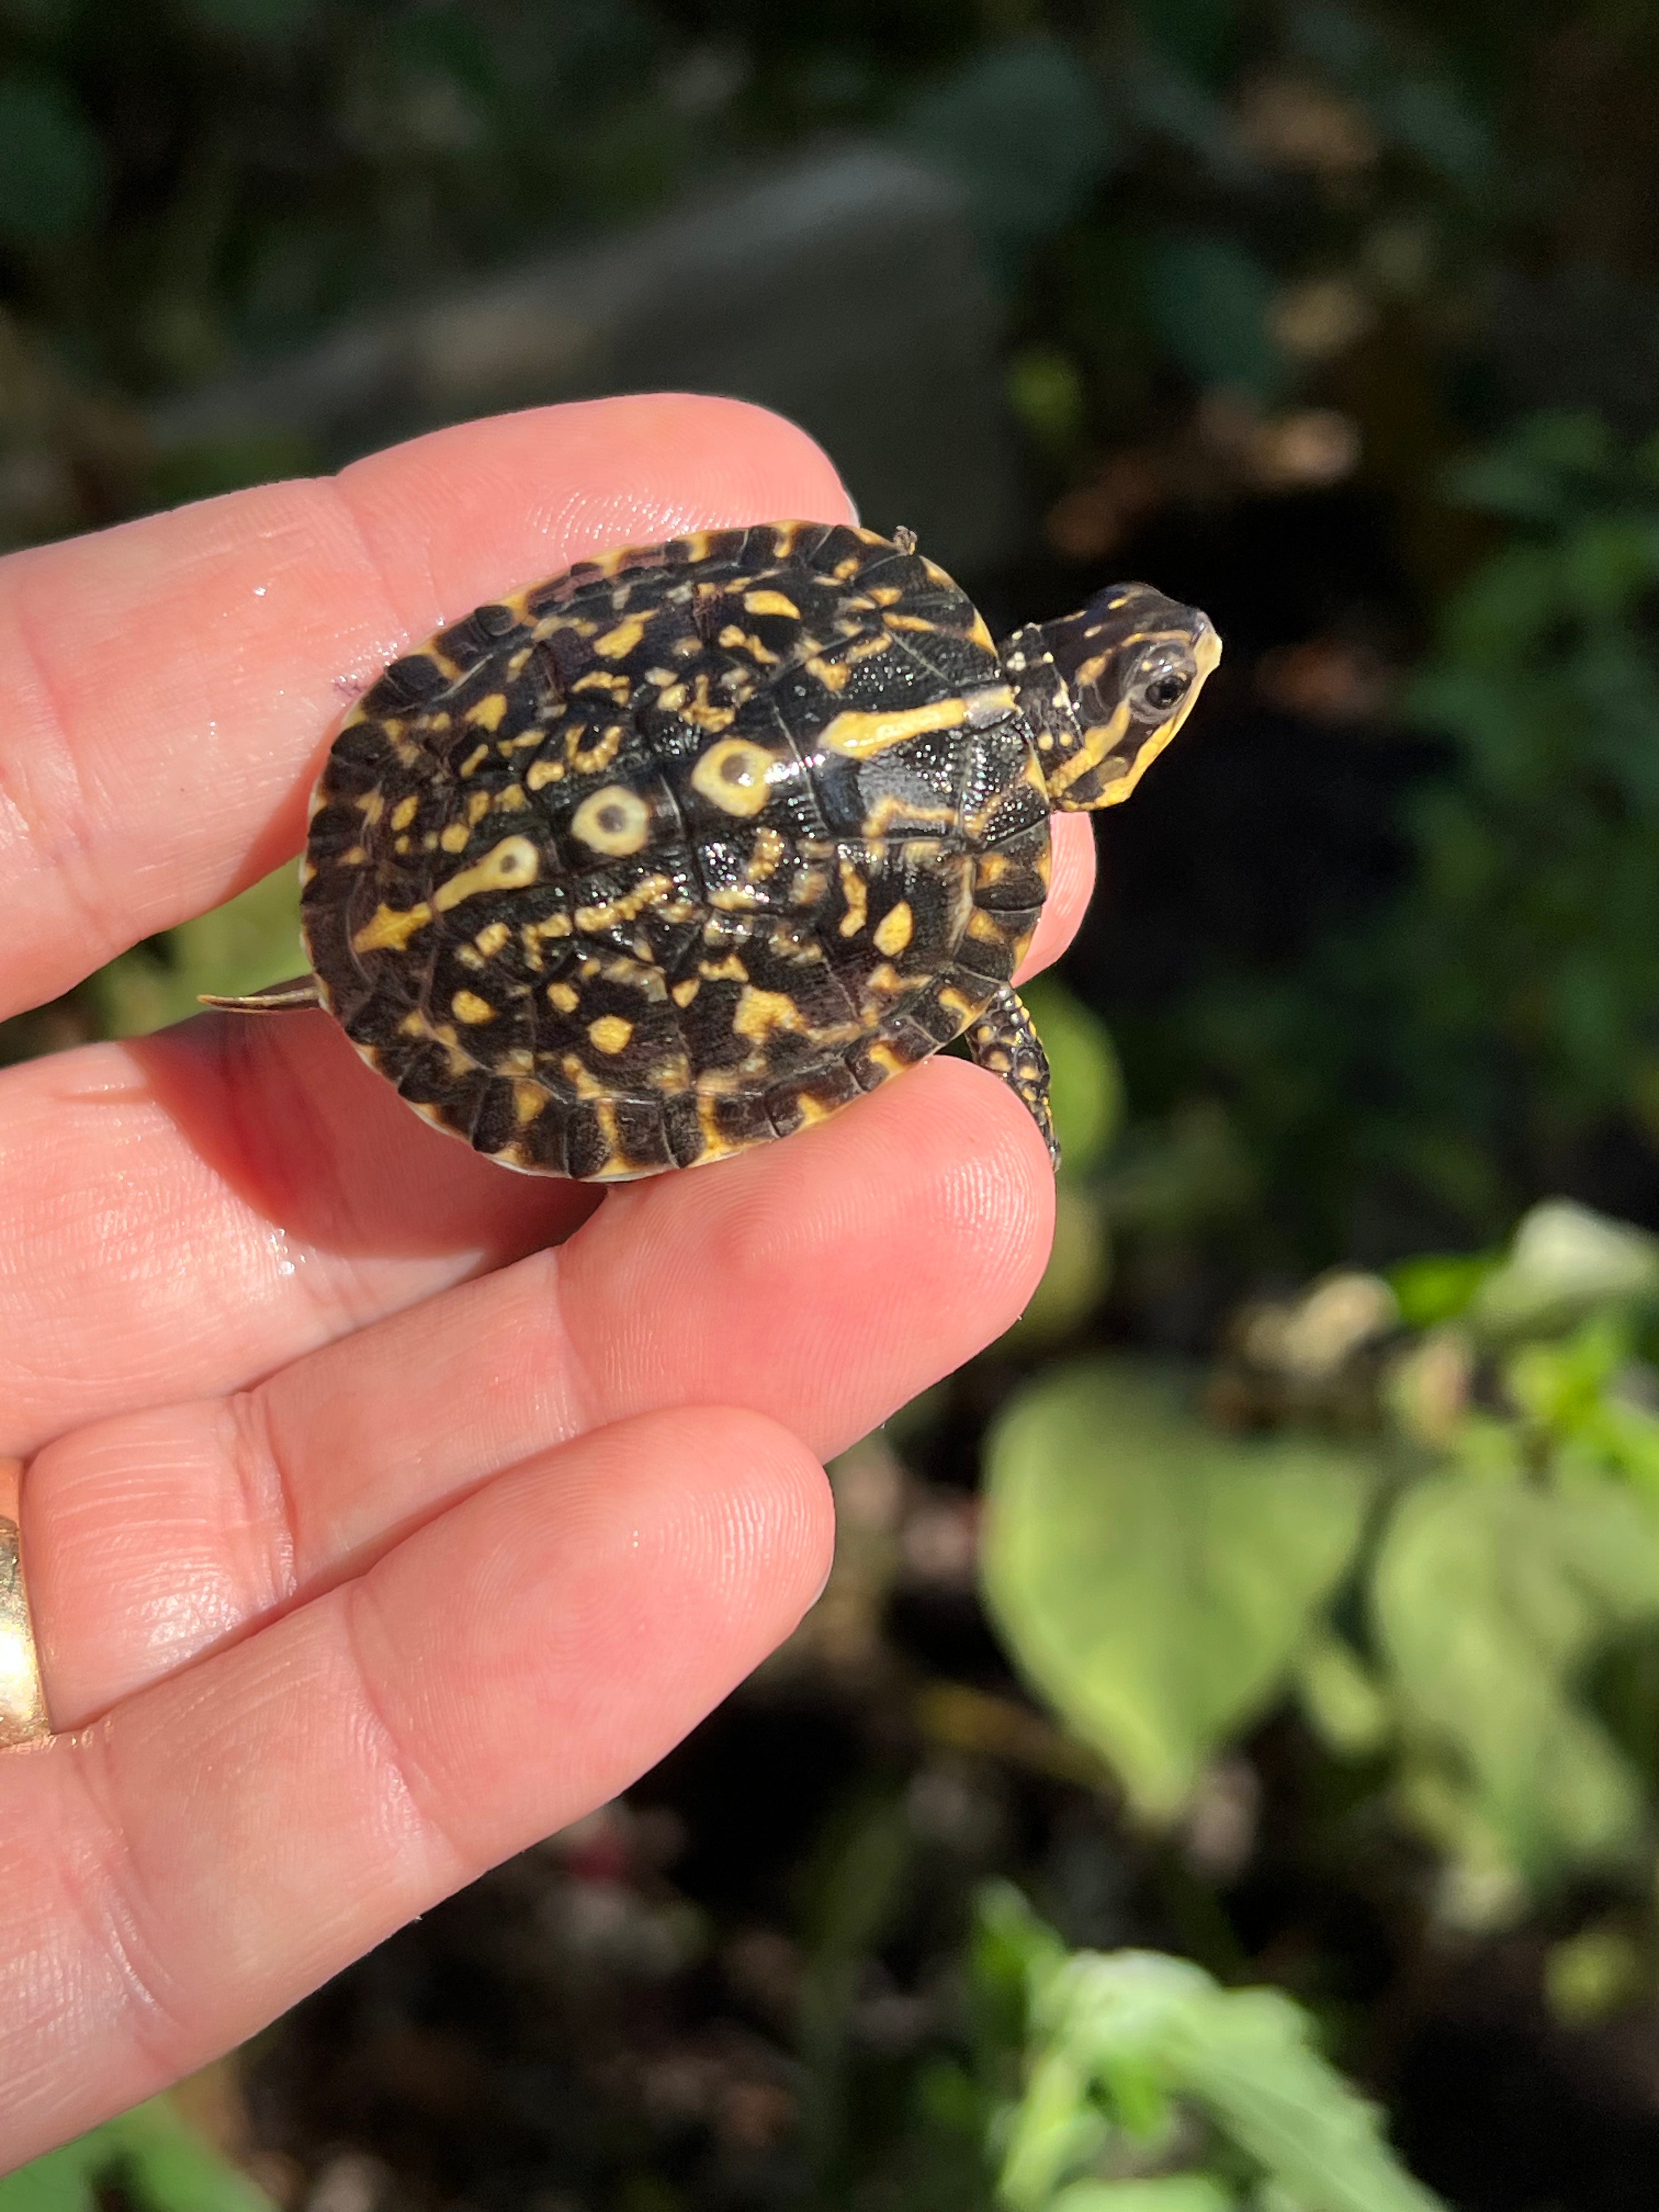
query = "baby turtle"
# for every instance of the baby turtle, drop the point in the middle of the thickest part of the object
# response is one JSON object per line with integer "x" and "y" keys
{"x": 698, "y": 842}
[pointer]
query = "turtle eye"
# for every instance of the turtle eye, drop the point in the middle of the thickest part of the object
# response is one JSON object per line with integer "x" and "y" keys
{"x": 1160, "y": 682}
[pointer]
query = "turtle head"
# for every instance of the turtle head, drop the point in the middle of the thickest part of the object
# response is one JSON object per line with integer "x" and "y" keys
{"x": 1106, "y": 689}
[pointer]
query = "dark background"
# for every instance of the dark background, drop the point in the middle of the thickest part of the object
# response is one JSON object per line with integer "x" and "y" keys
{"x": 1340, "y": 321}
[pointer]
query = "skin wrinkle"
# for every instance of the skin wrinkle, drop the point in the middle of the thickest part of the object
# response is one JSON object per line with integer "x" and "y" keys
{"x": 52, "y": 728}
{"x": 270, "y": 1512}
{"x": 355, "y": 1609}
{"x": 162, "y": 2033}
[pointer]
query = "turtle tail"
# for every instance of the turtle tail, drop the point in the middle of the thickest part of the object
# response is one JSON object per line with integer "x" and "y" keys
{"x": 288, "y": 997}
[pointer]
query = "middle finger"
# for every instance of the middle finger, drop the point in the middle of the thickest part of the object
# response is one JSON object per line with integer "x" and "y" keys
{"x": 822, "y": 1283}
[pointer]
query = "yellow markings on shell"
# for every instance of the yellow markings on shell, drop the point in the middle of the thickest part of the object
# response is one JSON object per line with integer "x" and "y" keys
{"x": 615, "y": 821}
{"x": 893, "y": 812}
{"x": 716, "y": 1145}
{"x": 736, "y": 640}
{"x": 488, "y": 713}
{"x": 529, "y": 1100}
{"x": 619, "y": 642}
{"x": 832, "y": 674}
{"x": 474, "y": 760}
{"x": 980, "y": 635}
{"x": 887, "y": 595}
{"x": 701, "y": 711}
{"x": 598, "y": 753}
{"x": 491, "y": 938}
{"x": 353, "y": 858}
{"x": 648, "y": 892}
{"x": 562, "y": 999}
{"x": 895, "y": 929}
{"x": 764, "y": 854}
{"x": 611, "y": 1033}
{"x": 606, "y": 679}
{"x": 909, "y": 622}
{"x": 856, "y": 892}
{"x": 580, "y": 1077}
{"x": 879, "y": 1053}
{"x": 478, "y": 804}
{"x": 508, "y": 867}
{"x": 468, "y": 1006}
{"x": 683, "y": 993}
{"x": 510, "y": 799}
{"x": 454, "y": 837}
{"x": 403, "y": 813}
{"x": 760, "y": 1014}
{"x": 390, "y": 930}
{"x": 732, "y": 776}
{"x": 371, "y": 805}
{"x": 862, "y": 736}
{"x": 543, "y": 772}
{"x": 729, "y": 970}
{"x": 770, "y": 603}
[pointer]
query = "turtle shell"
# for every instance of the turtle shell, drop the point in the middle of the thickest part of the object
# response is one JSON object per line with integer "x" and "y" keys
{"x": 678, "y": 851}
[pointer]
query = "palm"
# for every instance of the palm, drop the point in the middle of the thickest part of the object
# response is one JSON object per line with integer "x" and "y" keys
{"x": 384, "y": 1511}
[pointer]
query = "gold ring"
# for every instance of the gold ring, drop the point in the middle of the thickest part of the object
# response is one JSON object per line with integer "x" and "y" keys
{"x": 23, "y": 1699}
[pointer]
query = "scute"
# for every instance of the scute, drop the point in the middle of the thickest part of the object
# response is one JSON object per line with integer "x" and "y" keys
{"x": 677, "y": 851}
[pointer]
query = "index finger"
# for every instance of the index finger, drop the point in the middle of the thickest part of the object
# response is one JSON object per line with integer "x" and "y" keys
{"x": 171, "y": 683}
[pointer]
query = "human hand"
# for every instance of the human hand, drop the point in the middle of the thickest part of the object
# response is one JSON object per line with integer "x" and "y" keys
{"x": 384, "y": 1511}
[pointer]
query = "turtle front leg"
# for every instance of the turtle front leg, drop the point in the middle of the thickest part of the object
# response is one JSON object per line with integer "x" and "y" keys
{"x": 1003, "y": 1039}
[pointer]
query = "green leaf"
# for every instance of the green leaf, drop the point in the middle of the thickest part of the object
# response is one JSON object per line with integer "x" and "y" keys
{"x": 148, "y": 2155}
{"x": 1169, "y": 2192}
{"x": 251, "y": 940}
{"x": 1153, "y": 1578}
{"x": 1246, "y": 2056}
{"x": 1439, "y": 1287}
{"x": 1086, "y": 1083}
{"x": 1564, "y": 1262}
{"x": 1340, "y": 1699}
{"x": 51, "y": 164}
{"x": 1490, "y": 1598}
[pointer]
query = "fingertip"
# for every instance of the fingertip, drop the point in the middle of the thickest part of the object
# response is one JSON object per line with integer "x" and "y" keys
{"x": 1069, "y": 894}
{"x": 486, "y": 506}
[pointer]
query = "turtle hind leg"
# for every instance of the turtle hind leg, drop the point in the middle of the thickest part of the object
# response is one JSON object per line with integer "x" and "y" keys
{"x": 1003, "y": 1038}
{"x": 300, "y": 990}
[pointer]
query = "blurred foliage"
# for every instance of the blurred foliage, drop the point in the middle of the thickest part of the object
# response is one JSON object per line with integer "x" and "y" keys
{"x": 1156, "y": 1582}
{"x": 1148, "y": 2087}
{"x": 1439, "y": 1593}
{"x": 1496, "y": 1020}
{"x": 149, "y": 2159}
